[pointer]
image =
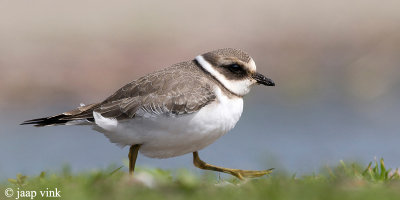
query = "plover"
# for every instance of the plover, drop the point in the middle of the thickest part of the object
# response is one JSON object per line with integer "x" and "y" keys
{"x": 178, "y": 110}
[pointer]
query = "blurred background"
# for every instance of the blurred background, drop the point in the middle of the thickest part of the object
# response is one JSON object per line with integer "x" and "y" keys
{"x": 336, "y": 65}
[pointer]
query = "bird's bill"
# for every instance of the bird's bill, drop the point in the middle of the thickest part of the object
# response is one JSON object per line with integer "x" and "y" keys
{"x": 261, "y": 79}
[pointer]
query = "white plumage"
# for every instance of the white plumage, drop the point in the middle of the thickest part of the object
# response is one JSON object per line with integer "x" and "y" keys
{"x": 164, "y": 136}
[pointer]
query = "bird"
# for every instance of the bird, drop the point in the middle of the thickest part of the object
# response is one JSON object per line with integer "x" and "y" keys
{"x": 174, "y": 111}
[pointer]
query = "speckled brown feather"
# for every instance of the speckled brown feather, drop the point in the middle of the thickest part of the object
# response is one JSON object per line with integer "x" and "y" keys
{"x": 230, "y": 52}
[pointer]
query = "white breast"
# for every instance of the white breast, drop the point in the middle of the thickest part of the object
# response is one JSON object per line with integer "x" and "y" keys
{"x": 164, "y": 137}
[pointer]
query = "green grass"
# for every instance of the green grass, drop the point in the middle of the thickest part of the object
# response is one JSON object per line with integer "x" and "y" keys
{"x": 345, "y": 181}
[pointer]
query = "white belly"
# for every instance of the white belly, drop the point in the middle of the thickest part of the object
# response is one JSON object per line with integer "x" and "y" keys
{"x": 164, "y": 137}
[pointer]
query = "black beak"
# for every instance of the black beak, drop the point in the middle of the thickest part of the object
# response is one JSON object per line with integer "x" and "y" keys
{"x": 261, "y": 79}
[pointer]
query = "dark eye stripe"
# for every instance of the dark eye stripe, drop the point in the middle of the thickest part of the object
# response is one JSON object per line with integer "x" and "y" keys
{"x": 235, "y": 68}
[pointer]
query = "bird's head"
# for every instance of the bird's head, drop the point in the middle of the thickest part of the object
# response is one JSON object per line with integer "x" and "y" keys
{"x": 234, "y": 69}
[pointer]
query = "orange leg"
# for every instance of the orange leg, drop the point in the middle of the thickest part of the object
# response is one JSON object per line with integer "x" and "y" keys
{"x": 133, "y": 153}
{"x": 241, "y": 174}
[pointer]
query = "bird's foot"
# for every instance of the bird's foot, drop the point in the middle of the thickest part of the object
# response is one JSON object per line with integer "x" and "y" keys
{"x": 239, "y": 173}
{"x": 242, "y": 174}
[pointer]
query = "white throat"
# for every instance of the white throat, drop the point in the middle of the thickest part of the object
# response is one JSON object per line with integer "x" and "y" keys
{"x": 238, "y": 87}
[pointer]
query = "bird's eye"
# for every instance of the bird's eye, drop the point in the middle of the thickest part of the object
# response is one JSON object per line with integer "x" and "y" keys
{"x": 235, "y": 68}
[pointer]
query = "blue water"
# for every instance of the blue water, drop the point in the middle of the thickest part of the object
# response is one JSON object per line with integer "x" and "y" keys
{"x": 272, "y": 133}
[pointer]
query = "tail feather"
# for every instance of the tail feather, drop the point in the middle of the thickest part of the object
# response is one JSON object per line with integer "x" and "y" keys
{"x": 47, "y": 121}
{"x": 81, "y": 113}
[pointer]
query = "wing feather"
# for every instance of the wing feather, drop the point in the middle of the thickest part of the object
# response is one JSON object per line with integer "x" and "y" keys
{"x": 173, "y": 91}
